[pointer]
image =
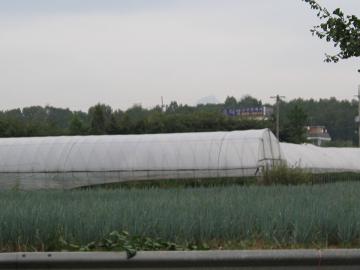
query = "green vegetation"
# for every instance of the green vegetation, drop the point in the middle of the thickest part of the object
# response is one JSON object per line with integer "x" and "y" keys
{"x": 338, "y": 119}
{"x": 283, "y": 175}
{"x": 280, "y": 175}
{"x": 181, "y": 183}
{"x": 121, "y": 241}
{"x": 324, "y": 178}
{"x": 219, "y": 217}
{"x": 294, "y": 128}
{"x": 102, "y": 119}
{"x": 343, "y": 31}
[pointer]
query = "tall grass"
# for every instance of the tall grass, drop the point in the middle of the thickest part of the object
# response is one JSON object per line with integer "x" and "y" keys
{"x": 284, "y": 175}
{"x": 282, "y": 215}
{"x": 278, "y": 175}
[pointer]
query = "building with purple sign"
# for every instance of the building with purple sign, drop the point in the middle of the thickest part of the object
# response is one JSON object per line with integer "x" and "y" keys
{"x": 257, "y": 113}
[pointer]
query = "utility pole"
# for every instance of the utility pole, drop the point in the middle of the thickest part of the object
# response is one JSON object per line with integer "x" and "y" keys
{"x": 162, "y": 104}
{"x": 278, "y": 99}
{"x": 359, "y": 114}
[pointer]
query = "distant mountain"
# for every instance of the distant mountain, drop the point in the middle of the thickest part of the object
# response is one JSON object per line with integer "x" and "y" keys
{"x": 208, "y": 100}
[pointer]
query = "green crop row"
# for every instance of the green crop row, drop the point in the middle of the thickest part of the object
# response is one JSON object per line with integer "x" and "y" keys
{"x": 280, "y": 175}
{"x": 281, "y": 215}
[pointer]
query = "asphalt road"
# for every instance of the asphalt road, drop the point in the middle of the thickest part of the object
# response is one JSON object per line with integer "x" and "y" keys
{"x": 256, "y": 259}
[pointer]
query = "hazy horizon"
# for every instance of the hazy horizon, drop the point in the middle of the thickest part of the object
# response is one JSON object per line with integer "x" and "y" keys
{"x": 74, "y": 54}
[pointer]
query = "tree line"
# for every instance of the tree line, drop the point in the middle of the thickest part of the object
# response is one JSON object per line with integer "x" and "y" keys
{"x": 101, "y": 119}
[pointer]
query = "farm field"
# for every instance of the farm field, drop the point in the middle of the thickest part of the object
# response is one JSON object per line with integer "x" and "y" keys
{"x": 217, "y": 217}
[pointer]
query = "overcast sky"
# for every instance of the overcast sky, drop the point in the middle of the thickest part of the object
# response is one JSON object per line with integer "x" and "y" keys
{"x": 75, "y": 53}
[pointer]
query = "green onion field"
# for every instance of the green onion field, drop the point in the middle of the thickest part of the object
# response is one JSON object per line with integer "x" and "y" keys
{"x": 229, "y": 216}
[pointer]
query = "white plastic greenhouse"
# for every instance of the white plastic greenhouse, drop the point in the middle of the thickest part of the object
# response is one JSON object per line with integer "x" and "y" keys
{"x": 69, "y": 162}
{"x": 321, "y": 159}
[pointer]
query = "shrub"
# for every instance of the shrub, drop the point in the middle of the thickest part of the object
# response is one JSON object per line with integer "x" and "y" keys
{"x": 284, "y": 175}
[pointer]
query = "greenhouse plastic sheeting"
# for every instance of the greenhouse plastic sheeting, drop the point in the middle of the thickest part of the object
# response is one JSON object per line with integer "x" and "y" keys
{"x": 321, "y": 159}
{"x": 68, "y": 162}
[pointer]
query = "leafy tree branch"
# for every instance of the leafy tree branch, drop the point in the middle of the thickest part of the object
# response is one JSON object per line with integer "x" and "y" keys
{"x": 340, "y": 29}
